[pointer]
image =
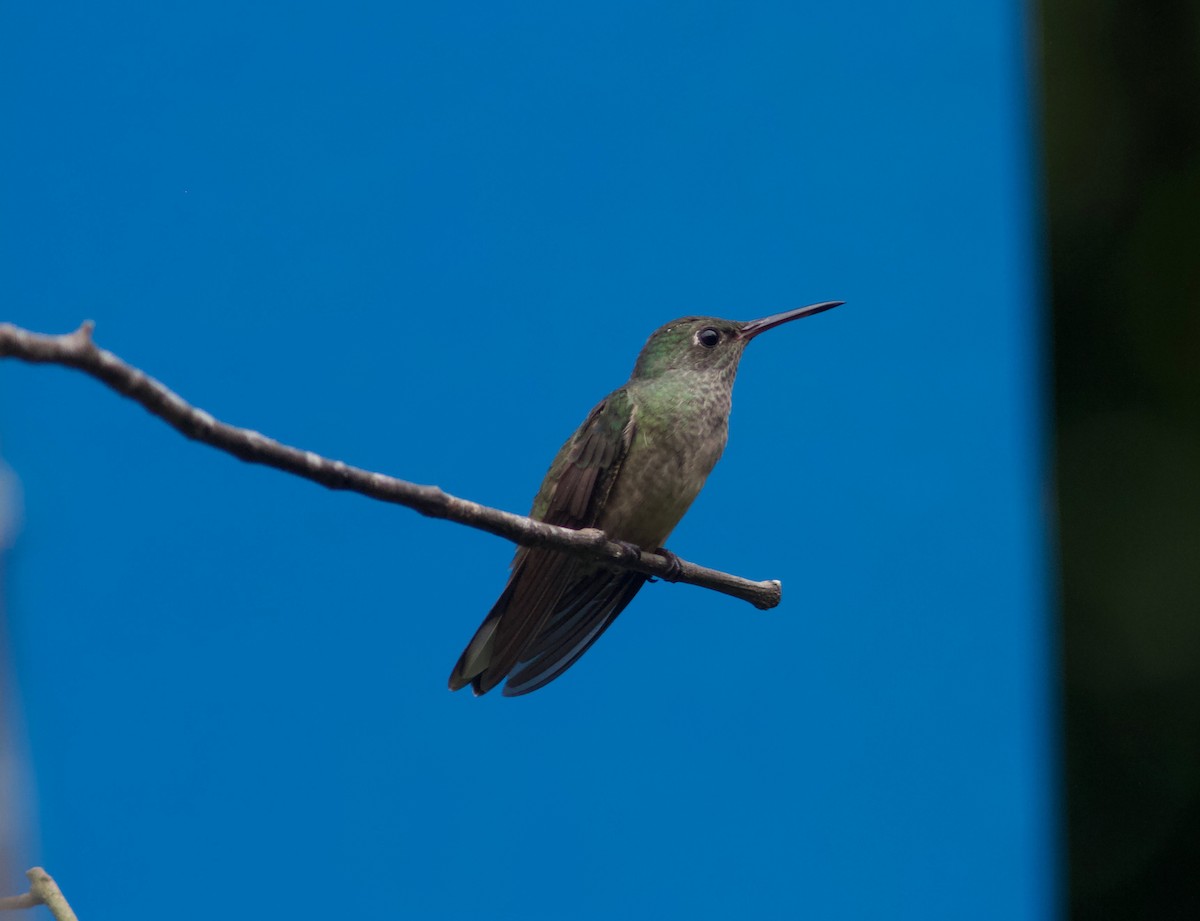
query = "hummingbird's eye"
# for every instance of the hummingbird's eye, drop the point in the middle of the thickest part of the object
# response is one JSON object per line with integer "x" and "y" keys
{"x": 708, "y": 337}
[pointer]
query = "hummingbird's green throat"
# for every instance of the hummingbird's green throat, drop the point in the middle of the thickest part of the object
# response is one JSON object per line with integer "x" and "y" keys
{"x": 631, "y": 469}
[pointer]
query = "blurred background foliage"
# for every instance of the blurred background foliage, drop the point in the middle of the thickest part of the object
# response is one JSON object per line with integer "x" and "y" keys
{"x": 1121, "y": 128}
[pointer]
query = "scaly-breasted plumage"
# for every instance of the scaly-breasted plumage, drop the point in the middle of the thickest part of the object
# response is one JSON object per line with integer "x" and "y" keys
{"x": 632, "y": 469}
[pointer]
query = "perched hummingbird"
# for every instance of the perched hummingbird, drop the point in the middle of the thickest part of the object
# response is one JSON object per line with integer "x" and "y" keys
{"x": 631, "y": 470}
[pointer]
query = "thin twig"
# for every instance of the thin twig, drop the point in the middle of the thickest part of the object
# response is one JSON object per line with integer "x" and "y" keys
{"x": 77, "y": 350}
{"x": 43, "y": 890}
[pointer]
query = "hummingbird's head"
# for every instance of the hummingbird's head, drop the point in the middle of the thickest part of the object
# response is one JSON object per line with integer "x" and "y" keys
{"x": 708, "y": 344}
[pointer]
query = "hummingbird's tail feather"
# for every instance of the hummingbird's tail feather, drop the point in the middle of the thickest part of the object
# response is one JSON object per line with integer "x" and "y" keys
{"x": 576, "y": 610}
{"x": 475, "y": 658}
{"x": 538, "y": 585}
{"x": 539, "y": 579}
{"x": 589, "y": 610}
{"x": 552, "y": 610}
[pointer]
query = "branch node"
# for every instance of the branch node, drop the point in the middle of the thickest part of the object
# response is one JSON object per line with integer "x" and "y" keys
{"x": 594, "y": 536}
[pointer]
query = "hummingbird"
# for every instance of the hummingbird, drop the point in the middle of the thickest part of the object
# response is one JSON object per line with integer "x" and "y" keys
{"x": 631, "y": 469}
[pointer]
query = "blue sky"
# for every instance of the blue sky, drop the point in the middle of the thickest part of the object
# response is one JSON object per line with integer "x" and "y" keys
{"x": 426, "y": 241}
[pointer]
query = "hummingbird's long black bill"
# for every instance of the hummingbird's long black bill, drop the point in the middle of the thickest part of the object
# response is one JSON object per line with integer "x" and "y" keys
{"x": 754, "y": 327}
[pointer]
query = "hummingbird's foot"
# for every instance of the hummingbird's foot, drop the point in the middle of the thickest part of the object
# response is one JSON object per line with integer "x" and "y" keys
{"x": 632, "y": 551}
{"x": 675, "y": 564}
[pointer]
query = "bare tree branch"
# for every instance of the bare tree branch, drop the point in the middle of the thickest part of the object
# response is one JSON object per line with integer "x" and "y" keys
{"x": 77, "y": 350}
{"x": 43, "y": 890}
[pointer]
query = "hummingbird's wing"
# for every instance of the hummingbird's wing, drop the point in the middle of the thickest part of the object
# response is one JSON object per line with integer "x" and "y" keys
{"x": 555, "y": 604}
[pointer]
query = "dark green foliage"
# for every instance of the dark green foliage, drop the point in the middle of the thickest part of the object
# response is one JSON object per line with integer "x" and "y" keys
{"x": 1121, "y": 123}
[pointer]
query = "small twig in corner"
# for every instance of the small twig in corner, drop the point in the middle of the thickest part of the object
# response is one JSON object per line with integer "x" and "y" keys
{"x": 43, "y": 890}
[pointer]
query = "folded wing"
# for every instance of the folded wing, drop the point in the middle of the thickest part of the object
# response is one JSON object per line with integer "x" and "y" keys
{"x": 556, "y": 605}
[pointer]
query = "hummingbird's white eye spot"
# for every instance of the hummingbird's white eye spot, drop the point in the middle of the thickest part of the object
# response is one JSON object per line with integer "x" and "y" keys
{"x": 708, "y": 337}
